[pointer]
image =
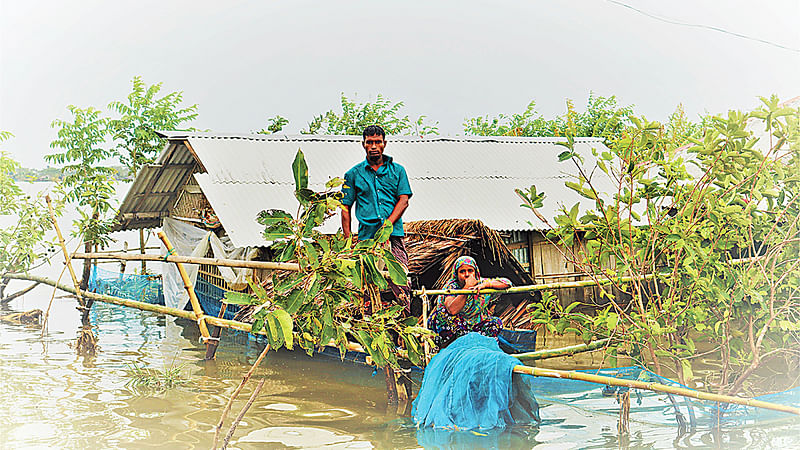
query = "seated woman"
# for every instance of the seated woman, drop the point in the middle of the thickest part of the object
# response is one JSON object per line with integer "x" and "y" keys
{"x": 457, "y": 315}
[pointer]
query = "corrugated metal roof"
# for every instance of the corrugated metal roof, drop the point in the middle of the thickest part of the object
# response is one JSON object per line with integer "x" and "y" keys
{"x": 452, "y": 177}
{"x": 155, "y": 189}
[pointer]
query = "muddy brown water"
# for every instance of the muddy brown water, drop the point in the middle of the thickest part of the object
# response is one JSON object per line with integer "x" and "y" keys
{"x": 51, "y": 398}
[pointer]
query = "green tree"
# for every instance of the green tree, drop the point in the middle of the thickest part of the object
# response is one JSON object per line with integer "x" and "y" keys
{"x": 22, "y": 242}
{"x": 701, "y": 242}
{"x": 145, "y": 113}
{"x": 603, "y": 117}
{"x": 86, "y": 181}
{"x": 275, "y": 125}
{"x": 357, "y": 116}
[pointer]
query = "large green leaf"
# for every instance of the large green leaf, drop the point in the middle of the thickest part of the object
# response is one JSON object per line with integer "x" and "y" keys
{"x": 289, "y": 283}
{"x": 241, "y": 298}
{"x": 384, "y": 232}
{"x": 372, "y": 275}
{"x": 300, "y": 171}
{"x": 396, "y": 270}
{"x": 287, "y": 326}
{"x": 328, "y": 328}
{"x": 293, "y": 301}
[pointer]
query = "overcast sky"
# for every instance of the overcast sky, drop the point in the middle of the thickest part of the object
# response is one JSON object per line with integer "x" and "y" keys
{"x": 244, "y": 61}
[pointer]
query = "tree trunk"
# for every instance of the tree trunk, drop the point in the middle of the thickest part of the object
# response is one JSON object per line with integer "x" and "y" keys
{"x": 87, "y": 272}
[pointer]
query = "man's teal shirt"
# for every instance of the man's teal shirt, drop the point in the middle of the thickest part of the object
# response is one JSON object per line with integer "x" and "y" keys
{"x": 375, "y": 195}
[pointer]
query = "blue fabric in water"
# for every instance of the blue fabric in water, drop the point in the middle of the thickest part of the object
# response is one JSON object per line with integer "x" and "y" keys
{"x": 471, "y": 385}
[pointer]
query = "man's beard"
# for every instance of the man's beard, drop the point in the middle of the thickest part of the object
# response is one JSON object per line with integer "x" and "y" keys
{"x": 374, "y": 159}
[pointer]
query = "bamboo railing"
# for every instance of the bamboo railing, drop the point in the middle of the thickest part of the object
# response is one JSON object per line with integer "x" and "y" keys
{"x": 563, "y": 351}
{"x": 656, "y": 387}
{"x": 190, "y": 260}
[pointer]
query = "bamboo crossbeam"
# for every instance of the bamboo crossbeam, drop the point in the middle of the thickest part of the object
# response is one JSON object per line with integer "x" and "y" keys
{"x": 564, "y": 285}
{"x": 535, "y": 287}
{"x": 106, "y": 298}
{"x": 563, "y": 351}
{"x": 191, "y": 260}
{"x": 198, "y": 260}
{"x": 656, "y": 387}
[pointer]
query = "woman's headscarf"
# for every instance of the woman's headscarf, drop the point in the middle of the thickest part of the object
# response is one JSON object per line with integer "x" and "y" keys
{"x": 464, "y": 260}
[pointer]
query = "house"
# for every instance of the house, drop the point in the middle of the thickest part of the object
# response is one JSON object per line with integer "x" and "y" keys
{"x": 234, "y": 177}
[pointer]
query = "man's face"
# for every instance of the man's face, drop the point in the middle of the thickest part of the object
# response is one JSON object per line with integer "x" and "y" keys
{"x": 374, "y": 146}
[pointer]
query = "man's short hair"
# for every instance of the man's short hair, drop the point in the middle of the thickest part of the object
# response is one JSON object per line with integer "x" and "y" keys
{"x": 373, "y": 130}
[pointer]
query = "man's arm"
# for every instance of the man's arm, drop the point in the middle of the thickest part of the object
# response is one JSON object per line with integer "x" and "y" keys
{"x": 346, "y": 221}
{"x": 348, "y": 201}
{"x": 397, "y": 212}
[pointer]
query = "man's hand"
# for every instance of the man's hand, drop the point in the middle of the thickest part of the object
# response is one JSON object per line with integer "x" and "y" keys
{"x": 345, "y": 221}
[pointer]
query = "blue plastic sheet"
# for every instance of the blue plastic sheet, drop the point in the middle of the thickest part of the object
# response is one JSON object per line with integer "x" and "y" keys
{"x": 471, "y": 385}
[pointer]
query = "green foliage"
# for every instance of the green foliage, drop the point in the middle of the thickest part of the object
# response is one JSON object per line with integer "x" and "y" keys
{"x": 355, "y": 117}
{"x": 602, "y": 118}
{"x": 144, "y": 113}
{"x": 86, "y": 181}
{"x": 276, "y": 124}
{"x": 146, "y": 380}
{"x": 329, "y": 299}
{"x": 22, "y": 242}
{"x": 708, "y": 236}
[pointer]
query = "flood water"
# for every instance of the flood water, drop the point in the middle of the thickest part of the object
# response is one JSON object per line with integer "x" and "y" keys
{"x": 51, "y": 398}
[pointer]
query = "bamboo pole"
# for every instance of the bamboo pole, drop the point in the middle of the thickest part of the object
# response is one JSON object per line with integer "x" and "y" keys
{"x": 67, "y": 259}
{"x": 564, "y": 285}
{"x": 142, "y": 249}
{"x": 197, "y": 260}
{"x": 536, "y": 287}
{"x": 187, "y": 284}
{"x": 563, "y": 351}
{"x": 656, "y": 387}
{"x": 425, "y": 346}
{"x": 191, "y": 260}
{"x": 107, "y": 298}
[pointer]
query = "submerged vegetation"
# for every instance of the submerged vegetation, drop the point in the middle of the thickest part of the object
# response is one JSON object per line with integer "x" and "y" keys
{"x": 148, "y": 380}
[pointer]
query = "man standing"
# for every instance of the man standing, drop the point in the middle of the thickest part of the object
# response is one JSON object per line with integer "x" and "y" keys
{"x": 378, "y": 188}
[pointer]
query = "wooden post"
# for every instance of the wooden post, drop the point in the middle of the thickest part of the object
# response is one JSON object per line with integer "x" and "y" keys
{"x": 122, "y": 262}
{"x": 216, "y": 332}
{"x": 141, "y": 248}
{"x": 198, "y": 311}
{"x": 67, "y": 259}
{"x": 391, "y": 386}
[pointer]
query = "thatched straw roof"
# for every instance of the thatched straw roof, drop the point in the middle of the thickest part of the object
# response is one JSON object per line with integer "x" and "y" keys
{"x": 434, "y": 245}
